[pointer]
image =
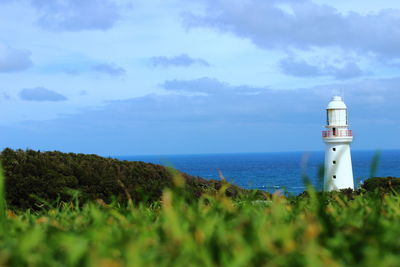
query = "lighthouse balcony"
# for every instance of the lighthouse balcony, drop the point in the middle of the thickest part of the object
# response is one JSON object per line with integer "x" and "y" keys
{"x": 337, "y": 133}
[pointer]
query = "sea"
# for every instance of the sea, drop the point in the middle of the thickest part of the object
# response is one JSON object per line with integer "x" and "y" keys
{"x": 284, "y": 171}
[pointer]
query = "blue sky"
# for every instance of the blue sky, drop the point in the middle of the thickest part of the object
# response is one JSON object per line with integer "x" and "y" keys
{"x": 126, "y": 77}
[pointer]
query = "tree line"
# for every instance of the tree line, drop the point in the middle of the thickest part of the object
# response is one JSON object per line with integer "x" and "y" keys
{"x": 34, "y": 178}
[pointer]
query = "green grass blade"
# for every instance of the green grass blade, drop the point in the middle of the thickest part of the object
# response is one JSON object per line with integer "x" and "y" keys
{"x": 375, "y": 164}
{"x": 2, "y": 203}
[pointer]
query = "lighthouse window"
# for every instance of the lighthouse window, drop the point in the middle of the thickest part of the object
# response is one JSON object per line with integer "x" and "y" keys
{"x": 334, "y": 162}
{"x": 334, "y": 148}
{"x": 334, "y": 176}
{"x": 327, "y": 117}
{"x": 334, "y": 131}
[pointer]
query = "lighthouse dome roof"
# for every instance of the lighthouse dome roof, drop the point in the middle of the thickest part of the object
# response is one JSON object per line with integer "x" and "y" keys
{"x": 337, "y": 103}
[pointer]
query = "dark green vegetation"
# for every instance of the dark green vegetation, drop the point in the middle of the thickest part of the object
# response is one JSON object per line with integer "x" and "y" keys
{"x": 360, "y": 228}
{"x": 212, "y": 231}
{"x": 385, "y": 185}
{"x": 34, "y": 178}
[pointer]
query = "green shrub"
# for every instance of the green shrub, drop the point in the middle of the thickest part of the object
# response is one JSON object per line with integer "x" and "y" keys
{"x": 384, "y": 185}
{"x": 33, "y": 178}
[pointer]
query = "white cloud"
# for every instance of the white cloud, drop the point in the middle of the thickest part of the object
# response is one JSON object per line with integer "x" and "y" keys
{"x": 110, "y": 69}
{"x": 40, "y": 94}
{"x": 301, "y": 68}
{"x": 77, "y": 15}
{"x": 12, "y": 59}
{"x": 307, "y": 25}
{"x": 175, "y": 122}
{"x": 182, "y": 60}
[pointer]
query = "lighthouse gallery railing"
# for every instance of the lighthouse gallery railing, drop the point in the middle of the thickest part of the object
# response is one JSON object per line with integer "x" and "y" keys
{"x": 337, "y": 133}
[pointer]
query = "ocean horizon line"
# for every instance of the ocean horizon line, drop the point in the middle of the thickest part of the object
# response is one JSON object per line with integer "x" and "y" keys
{"x": 240, "y": 153}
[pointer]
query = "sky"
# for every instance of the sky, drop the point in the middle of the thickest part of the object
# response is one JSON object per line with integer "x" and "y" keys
{"x": 136, "y": 77}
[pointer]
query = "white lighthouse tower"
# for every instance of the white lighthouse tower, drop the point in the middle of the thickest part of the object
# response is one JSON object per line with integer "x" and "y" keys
{"x": 338, "y": 168}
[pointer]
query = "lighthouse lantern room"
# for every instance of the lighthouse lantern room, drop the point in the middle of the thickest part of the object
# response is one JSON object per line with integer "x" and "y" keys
{"x": 338, "y": 167}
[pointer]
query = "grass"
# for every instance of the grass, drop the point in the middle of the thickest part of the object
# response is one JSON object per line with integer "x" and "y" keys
{"x": 2, "y": 204}
{"x": 312, "y": 230}
{"x": 214, "y": 231}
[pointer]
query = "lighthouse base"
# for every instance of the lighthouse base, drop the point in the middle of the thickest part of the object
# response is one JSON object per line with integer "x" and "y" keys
{"x": 338, "y": 167}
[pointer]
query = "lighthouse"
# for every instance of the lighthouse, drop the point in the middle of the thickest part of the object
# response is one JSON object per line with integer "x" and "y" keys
{"x": 337, "y": 137}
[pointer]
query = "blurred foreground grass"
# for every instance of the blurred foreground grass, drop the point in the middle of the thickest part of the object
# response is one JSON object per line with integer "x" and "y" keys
{"x": 316, "y": 230}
